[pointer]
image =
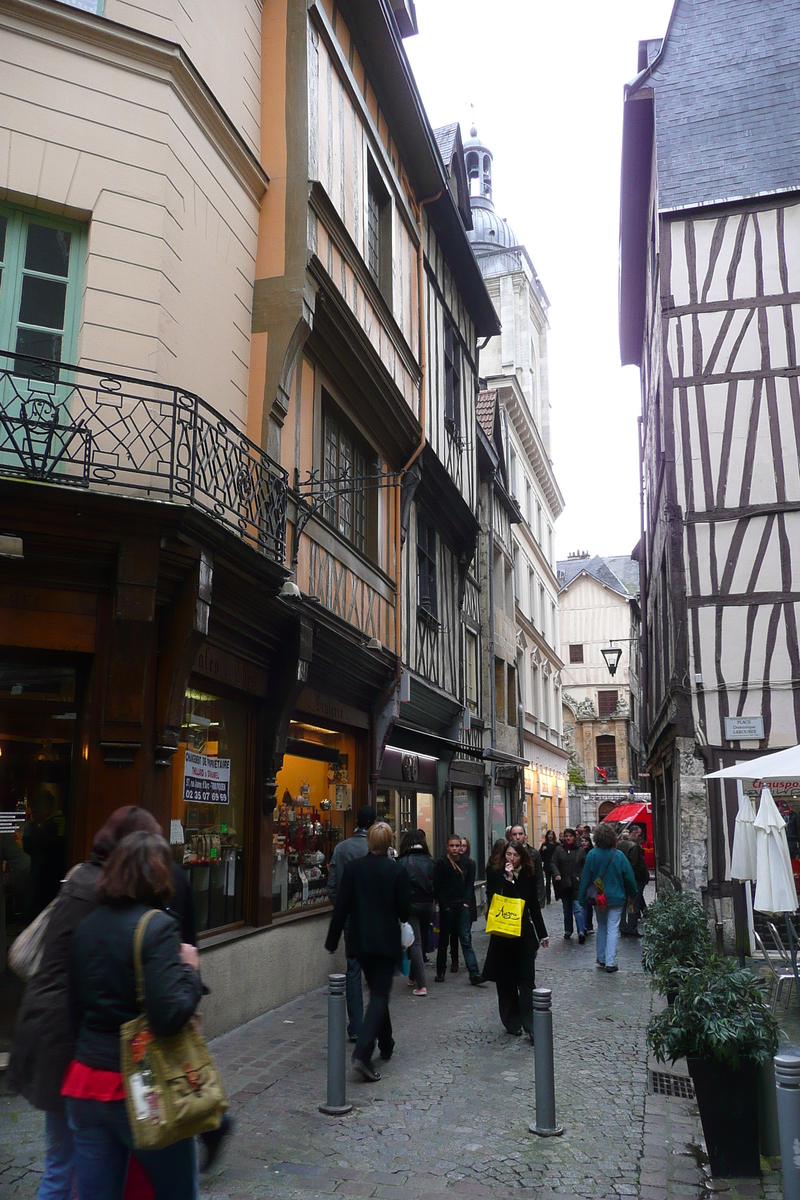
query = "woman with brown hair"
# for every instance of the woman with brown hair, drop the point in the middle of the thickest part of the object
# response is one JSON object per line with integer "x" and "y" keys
{"x": 136, "y": 878}
{"x": 511, "y": 961}
{"x": 44, "y": 1038}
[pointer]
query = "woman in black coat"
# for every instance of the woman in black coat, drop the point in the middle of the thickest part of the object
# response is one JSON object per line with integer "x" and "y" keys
{"x": 511, "y": 961}
{"x": 44, "y": 1037}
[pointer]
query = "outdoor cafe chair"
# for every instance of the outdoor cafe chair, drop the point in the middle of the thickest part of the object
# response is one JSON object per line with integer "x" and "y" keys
{"x": 777, "y": 978}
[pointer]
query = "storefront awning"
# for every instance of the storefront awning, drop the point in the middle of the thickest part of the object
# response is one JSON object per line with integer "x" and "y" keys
{"x": 500, "y": 756}
{"x": 405, "y": 737}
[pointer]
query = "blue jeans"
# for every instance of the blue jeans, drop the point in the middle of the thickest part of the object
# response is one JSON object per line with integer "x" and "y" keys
{"x": 573, "y": 910}
{"x": 456, "y": 918}
{"x": 58, "y": 1181}
{"x": 607, "y": 935}
{"x": 103, "y": 1144}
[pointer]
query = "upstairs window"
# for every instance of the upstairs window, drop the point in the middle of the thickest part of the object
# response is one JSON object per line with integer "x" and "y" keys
{"x": 379, "y": 231}
{"x": 471, "y": 670}
{"x": 40, "y": 265}
{"x": 512, "y": 695}
{"x": 606, "y": 703}
{"x": 426, "y": 565}
{"x": 92, "y": 6}
{"x": 606, "y": 747}
{"x": 452, "y": 380}
{"x": 346, "y": 456}
{"x": 576, "y": 653}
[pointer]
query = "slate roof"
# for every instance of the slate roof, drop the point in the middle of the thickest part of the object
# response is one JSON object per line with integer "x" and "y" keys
{"x": 484, "y": 411}
{"x": 620, "y": 573}
{"x": 727, "y": 101}
{"x": 446, "y": 141}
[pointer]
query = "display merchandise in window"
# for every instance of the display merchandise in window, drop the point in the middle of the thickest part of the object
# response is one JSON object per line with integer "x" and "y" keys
{"x": 314, "y": 813}
{"x": 207, "y": 831}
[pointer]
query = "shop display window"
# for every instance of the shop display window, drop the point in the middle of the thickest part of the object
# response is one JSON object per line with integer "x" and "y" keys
{"x": 314, "y": 813}
{"x": 209, "y": 781}
{"x": 405, "y": 810}
{"x": 465, "y": 817}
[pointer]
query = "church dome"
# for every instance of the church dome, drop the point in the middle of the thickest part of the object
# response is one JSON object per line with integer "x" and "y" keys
{"x": 489, "y": 231}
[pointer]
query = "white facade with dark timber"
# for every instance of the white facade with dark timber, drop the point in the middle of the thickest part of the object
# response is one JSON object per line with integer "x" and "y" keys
{"x": 710, "y": 311}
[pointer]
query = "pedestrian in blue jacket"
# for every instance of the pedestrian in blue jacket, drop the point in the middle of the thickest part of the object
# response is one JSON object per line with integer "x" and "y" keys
{"x": 611, "y": 873}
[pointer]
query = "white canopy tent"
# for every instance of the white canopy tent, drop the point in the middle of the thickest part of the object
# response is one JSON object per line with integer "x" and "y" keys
{"x": 781, "y": 768}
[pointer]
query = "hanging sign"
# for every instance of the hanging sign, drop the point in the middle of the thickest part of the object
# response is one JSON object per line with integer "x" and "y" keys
{"x": 206, "y": 780}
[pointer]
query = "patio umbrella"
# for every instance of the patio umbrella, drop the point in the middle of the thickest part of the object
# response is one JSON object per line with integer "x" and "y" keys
{"x": 744, "y": 860}
{"x": 783, "y": 766}
{"x": 775, "y": 888}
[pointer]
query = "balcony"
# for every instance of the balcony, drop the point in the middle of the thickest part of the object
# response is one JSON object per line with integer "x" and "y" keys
{"x": 71, "y": 427}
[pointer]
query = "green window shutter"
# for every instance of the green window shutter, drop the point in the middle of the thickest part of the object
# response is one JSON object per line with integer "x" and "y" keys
{"x": 41, "y": 274}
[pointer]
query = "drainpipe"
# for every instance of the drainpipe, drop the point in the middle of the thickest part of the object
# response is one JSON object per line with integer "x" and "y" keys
{"x": 492, "y": 692}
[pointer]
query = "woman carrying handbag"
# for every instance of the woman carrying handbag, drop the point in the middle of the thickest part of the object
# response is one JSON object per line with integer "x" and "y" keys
{"x": 607, "y": 880}
{"x": 511, "y": 961}
{"x": 108, "y": 992}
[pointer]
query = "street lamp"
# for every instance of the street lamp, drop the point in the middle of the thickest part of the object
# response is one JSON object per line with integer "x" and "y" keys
{"x": 612, "y": 654}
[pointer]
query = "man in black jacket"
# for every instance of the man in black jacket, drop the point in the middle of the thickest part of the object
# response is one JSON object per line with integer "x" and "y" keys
{"x": 631, "y": 847}
{"x": 373, "y": 897}
{"x": 346, "y": 852}
{"x": 450, "y": 890}
{"x": 516, "y": 833}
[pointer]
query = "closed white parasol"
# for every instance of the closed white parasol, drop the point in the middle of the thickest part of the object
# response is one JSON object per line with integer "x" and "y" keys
{"x": 775, "y": 889}
{"x": 744, "y": 854}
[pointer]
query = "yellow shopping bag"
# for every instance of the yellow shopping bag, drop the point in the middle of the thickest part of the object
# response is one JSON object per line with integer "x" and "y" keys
{"x": 505, "y": 916}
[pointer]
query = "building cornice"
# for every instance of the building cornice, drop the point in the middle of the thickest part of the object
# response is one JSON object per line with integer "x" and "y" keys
{"x": 106, "y": 41}
{"x": 510, "y": 394}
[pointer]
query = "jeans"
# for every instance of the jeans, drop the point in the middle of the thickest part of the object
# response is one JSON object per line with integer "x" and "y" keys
{"x": 377, "y": 1024}
{"x": 588, "y": 917}
{"x": 607, "y": 935}
{"x": 58, "y": 1181}
{"x": 572, "y": 910}
{"x": 355, "y": 997}
{"x": 103, "y": 1143}
{"x": 458, "y": 918}
{"x": 415, "y": 953}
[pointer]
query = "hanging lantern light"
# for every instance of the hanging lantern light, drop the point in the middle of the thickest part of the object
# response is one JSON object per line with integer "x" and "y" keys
{"x": 612, "y": 654}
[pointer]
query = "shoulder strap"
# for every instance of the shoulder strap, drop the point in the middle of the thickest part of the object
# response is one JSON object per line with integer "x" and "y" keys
{"x": 608, "y": 864}
{"x": 138, "y": 941}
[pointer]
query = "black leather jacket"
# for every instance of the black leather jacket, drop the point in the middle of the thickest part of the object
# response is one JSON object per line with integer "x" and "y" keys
{"x": 420, "y": 867}
{"x": 102, "y": 982}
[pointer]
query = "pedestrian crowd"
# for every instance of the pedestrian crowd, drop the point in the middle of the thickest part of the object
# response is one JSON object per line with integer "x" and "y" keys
{"x": 114, "y": 979}
{"x": 598, "y": 877}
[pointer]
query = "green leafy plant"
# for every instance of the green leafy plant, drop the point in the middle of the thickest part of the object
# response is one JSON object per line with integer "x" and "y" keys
{"x": 718, "y": 1012}
{"x": 676, "y": 936}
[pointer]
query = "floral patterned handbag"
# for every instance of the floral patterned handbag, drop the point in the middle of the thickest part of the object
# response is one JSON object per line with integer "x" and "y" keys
{"x": 172, "y": 1087}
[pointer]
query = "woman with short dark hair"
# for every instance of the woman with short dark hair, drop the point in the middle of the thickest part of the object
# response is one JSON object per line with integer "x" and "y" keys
{"x": 44, "y": 1037}
{"x": 546, "y": 849}
{"x": 136, "y": 878}
{"x": 415, "y": 859}
{"x": 511, "y": 961}
{"x": 612, "y": 875}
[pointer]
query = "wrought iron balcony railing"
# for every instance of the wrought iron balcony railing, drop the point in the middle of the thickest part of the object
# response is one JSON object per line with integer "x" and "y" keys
{"x": 74, "y": 427}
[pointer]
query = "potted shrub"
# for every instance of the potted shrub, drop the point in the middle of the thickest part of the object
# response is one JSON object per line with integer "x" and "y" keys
{"x": 720, "y": 1024}
{"x": 676, "y": 936}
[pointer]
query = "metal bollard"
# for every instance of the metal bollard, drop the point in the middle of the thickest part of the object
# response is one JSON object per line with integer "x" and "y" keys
{"x": 787, "y": 1092}
{"x": 543, "y": 1065}
{"x": 337, "y": 1048}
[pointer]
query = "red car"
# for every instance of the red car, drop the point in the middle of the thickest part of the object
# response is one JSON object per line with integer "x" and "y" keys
{"x": 640, "y": 814}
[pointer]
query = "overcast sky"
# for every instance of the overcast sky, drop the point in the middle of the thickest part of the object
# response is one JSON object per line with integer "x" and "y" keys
{"x": 545, "y": 81}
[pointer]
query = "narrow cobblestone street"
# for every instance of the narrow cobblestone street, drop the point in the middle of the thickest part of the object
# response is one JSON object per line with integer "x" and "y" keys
{"x": 452, "y": 1111}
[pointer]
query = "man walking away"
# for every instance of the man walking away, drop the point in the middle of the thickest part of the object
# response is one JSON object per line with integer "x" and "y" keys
{"x": 633, "y": 850}
{"x": 374, "y": 896}
{"x": 450, "y": 890}
{"x": 516, "y": 833}
{"x": 566, "y": 878}
{"x": 346, "y": 852}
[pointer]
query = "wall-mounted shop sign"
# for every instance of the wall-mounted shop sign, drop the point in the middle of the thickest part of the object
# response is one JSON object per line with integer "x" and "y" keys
{"x": 206, "y": 780}
{"x": 328, "y": 708}
{"x": 741, "y": 729}
{"x": 228, "y": 668}
{"x": 405, "y": 767}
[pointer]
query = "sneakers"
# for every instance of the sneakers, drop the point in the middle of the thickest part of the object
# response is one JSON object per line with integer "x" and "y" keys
{"x": 581, "y": 938}
{"x": 420, "y": 992}
{"x": 611, "y": 970}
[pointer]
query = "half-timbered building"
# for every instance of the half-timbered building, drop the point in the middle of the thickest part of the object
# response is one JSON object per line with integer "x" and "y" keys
{"x": 710, "y": 256}
{"x": 529, "y": 773}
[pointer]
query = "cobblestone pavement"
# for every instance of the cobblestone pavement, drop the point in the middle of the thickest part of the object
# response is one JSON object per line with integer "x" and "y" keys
{"x": 452, "y": 1111}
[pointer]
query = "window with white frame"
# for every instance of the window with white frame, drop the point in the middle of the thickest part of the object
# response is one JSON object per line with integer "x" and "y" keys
{"x": 41, "y": 261}
{"x": 534, "y": 687}
{"x": 471, "y": 670}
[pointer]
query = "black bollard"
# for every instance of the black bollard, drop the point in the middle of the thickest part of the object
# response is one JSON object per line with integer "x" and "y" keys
{"x": 543, "y": 1065}
{"x": 337, "y": 1104}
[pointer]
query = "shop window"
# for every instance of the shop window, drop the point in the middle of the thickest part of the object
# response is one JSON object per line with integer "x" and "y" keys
{"x": 466, "y": 819}
{"x": 607, "y": 756}
{"x": 452, "y": 380}
{"x": 404, "y": 810}
{"x": 38, "y": 719}
{"x": 576, "y": 653}
{"x": 426, "y": 564}
{"x": 209, "y": 810}
{"x": 314, "y": 813}
{"x": 606, "y": 703}
{"x": 346, "y": 456}
{"x": 40, "y": 266}
{"x": 471, "y": 670}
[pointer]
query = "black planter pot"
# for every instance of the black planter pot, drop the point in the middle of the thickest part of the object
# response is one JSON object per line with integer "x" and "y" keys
{"x": 728, "y": 1103}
